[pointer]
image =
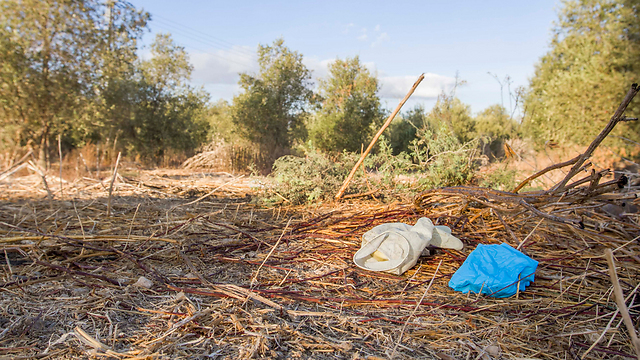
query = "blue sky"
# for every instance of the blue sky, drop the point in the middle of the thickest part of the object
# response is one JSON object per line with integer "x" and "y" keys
{"x": 397, "y": 40}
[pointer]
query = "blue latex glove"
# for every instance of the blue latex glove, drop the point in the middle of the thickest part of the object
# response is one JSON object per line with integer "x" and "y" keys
{"x": 496, "y": 270}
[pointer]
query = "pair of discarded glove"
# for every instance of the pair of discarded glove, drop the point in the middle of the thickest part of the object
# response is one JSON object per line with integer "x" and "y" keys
{"x": 495, "y": 270}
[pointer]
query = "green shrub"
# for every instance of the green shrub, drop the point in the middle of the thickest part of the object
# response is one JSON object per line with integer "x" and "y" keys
{"x": 443, "y": 158}
{"x": 500, "y": 179}
{"x": 314, "y": 177}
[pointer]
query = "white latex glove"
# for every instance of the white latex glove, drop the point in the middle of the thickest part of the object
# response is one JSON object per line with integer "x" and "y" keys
{"x": 396, "y": 247}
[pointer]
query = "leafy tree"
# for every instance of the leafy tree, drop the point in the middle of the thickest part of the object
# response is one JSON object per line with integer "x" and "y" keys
{"x": 54, "y": 55}
{"x": 123, "y": 28}
{"x": 454, "y": 114}
{"x": 350, "y": 107}
{"x": 169, "y": 66}
{"x": 167, "y": 114}
{"x": 594, "y": 57}
{"x": 221, "y": 125}
{"x": 270, "y": 112}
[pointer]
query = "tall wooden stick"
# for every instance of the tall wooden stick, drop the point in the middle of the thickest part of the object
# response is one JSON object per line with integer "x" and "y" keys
{"x": 375, "y": 138}
{"x": 113, "y": 179}
{"x": 622, "y": 306}
{"x": 60, "y": 154}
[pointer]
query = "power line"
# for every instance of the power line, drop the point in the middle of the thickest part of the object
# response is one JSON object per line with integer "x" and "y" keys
{"x": 213, "y": 38}
{"x": 174, "y": 30}
{"x": 227, "y": 59}
{"x": 189, "y": 38}
{"x": 204, "y": 37}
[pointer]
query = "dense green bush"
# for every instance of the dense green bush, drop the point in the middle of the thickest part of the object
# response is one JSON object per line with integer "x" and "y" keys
{"x": 593, "y": 58}
{"x": 313, "y": 177}
{"x": 436, "y": 159}
{"x": 443, "y": 158}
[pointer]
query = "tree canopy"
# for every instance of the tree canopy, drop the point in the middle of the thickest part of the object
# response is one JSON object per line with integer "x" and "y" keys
{"x": 271, "y": 109}
{"x": 168, "y": 114}
{"x": 55, "y": 58}
{"x": 594, "y": 58}
{"x": 350, "y": 107}
{"x": 71, "y": 69}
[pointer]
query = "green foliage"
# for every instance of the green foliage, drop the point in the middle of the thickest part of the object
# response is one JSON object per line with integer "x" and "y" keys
{"x": 220, "y": 122}
{"x": 496, "y": 126}
{"x": 313, "y": 177}
{"x": 167, "y": 114}
{"x": 443, "y": 158}
{"x": 436, "y": 157}
{"x": 594, "y": 57}
{"x": 271, "y": 110}
{"x": 55, "y": 56}
{"x": 165, "y": 123}
{"x": 501, "y": 178}
{"x": 350, "y": 108}
{"x": 70, "y": 68}
{"x": 456, "y": 115}
{"x": 403, "y": 130}
{"x": 169, "y": 68}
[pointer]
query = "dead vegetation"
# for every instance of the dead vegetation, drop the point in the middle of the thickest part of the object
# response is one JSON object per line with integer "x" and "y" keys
{"x": 187, "y": 266}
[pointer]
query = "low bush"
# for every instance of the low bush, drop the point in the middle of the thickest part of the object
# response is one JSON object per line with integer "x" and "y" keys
{"x": 311, "y": 178}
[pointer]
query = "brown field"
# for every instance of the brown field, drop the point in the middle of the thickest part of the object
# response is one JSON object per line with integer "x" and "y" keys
{"x": 187, "y": 266}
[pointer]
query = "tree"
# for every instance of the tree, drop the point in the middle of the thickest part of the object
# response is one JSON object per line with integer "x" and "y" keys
{"x": 54, "y": 54}
{"x": 166, "y": 113}
{"x": 350, "y": 107}
{"x": 221, "y": 125}
{"x": 453, "y": 113}
{"x": 270, "y": 112}
{"x": 594, "y": 58}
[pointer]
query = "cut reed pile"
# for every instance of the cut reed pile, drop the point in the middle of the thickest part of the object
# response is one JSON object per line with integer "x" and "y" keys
{"x": 187, "y": 267}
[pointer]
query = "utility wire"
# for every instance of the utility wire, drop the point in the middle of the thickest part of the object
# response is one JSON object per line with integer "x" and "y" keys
{"x": 191, "y": 37}
{"x": 211, "y": 40}
{"x": 208, "y": 52}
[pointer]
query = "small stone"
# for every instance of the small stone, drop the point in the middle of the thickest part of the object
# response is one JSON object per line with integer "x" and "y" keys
{"x": 144, "y": 282}
{"x": 493, "y": 350}
{"x": 181, "y": 296}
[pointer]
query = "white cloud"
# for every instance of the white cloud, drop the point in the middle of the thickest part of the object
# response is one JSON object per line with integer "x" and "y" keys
{"x": 320, "y": 67}
{"x": 377, "y": 28}
{"x": 219, "y": 72}
{"x": 363, "y": 36}
{"x": 222, "y": 66}
{"x": 392, "y": 87}
{"x": 380, "y": 39}
{"x": 348, "y": 27}
{"x": 396, "y": 87}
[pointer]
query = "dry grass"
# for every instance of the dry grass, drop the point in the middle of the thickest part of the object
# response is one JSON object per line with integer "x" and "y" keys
{"x": 174, "y": 273}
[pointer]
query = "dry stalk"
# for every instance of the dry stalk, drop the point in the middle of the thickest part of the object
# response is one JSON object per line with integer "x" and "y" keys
{"x": 60, "y": 157}
{"x": 253, "y": 289}
{"x": 622, "y": 306}
{"x": 113, "y": 179}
